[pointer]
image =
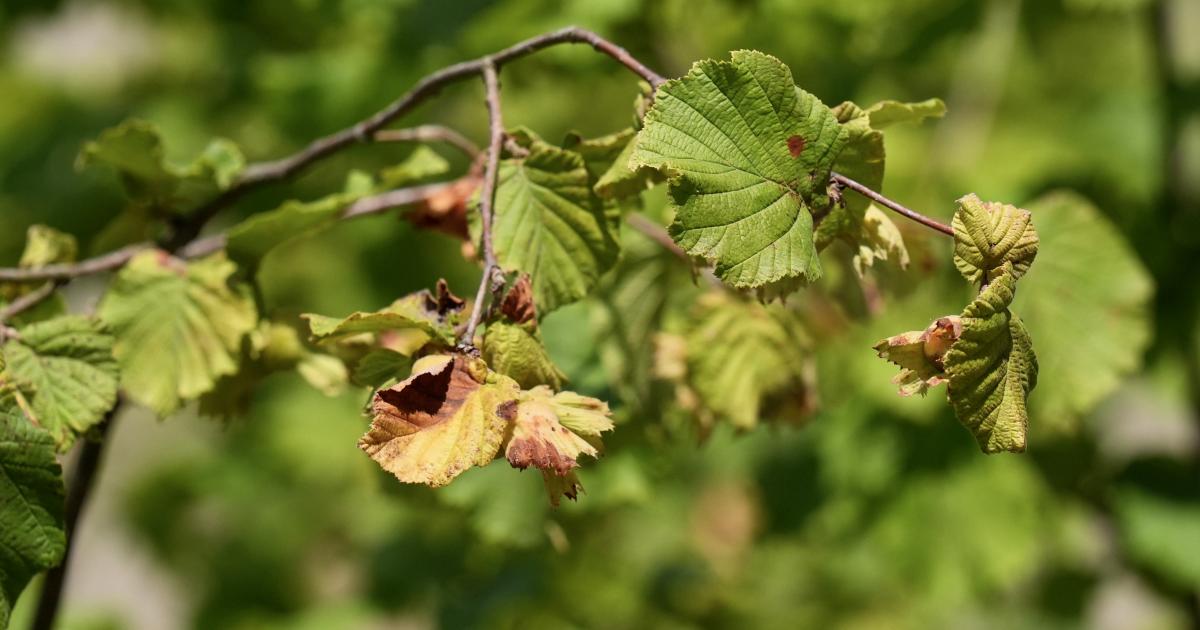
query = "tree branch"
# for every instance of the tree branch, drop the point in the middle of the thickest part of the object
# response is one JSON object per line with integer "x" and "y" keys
{"x": 846, "y": 182}
{"x": 429, "y": 133}
{"x": 83, "y": 478}
{"x": 258, "y": 174}
{"x": 27, "y": 301}
{"x": 487, "y": 197}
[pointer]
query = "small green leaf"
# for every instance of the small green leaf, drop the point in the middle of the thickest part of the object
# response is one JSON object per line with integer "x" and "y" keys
{"x": 419, "y": 166}
{"x": 251, "y": 240}
{"x": 607, "y": 161}
{"x": 449, "y": 415}
{"x": 46, "y": 246}
{"x": 178, "y": 326}
{"x": 989, "y": 234}
{"x": 992, "y": 369}
{"x": 749, "y": 156}
{"x": 549, "y": 225}
{"x": 863, "y": 160}
{"x": 31, "y": 505}
{"x": 887, "y": 113}
{"x": 134, "y": 150}
{"x": 1088, "y": 275}
{"x": 516, "y": 351}
{"x": 66, "y": 367}
{"x": 880, "y": 240}
{"x": 434, "y": 316}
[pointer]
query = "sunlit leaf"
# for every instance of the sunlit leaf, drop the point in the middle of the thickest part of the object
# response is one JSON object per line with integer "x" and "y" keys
{"x": 879, "y": 239}
{"x": 749, "y": 155}
{"x": 66, "y": 368}
{"x": 434, "y": 315}
{"x": 989, "y": 234}
{"x": 178, "y": 326}
{"x": 920, "y": 354}
{"x": 549, "y": 225}
{"x": 992, "y": 369}
{"x": 551, "y": 431}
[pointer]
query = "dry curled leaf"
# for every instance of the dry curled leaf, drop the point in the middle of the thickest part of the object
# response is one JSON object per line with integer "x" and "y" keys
{"x": 550, "y": 431}
{"x": 518, "y": 303}
{"x": 446, "y": 210}
{"x": 920, "y": 353}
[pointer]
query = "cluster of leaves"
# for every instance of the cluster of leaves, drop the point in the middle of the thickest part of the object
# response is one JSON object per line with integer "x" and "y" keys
{"x": 747, "y": 158}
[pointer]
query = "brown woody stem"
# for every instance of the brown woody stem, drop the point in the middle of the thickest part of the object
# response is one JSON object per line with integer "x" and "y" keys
{"x": 487, "y": 197}
{"x": 846, "y": 182}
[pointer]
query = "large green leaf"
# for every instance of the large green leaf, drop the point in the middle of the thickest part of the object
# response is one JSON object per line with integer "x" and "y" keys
{"x": 66, "y": 367}
{"x": 549, "y": 225}
{"x": 178, "y": 326}
{"x": 249, "y": 241}
{"x": 134, "y": 150}
{"x": 749, "y": 156}
{"x": 992, "y": 369}
{"x": 1087, "y": 302}
{"x": 31, "y": 505}
{"x": 987, "y": 235}
{"x": 449, "y": 415}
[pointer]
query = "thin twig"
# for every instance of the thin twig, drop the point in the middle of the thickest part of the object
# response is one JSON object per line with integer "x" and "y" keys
{"x": 431, "y": 84}
{"x": 429, "y": 133}
{"x": 656, "y": 233}
{"x": 487, "y": 197}
{"x": 846, "y": 182}
{"x": 28, "y": 301}
{"x": 91, "y": 266}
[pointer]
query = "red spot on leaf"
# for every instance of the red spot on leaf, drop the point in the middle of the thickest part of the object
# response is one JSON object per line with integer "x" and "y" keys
{"x": 796, "y": 145}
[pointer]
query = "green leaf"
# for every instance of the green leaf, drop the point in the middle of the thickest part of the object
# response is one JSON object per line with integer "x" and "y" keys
{"x": 31, "y": 505}
{"x": 134, "y": 150}
{"x": 989, "y": 234}
{"x": 251, "y": 240}
{"x": 607, "y": 161}
{"x": 422, "y": 164}
{"x": 434, "y": 316}
{"x": 46, "y": 246}
{"x": 449, "y": 415}
{"x": 880, "y": 239}
{"x": 178, "y": 326}
{"x": 749, "y": 155}
{"x": 67, "y": 368}
{"x": 516, "y": 351}
{"x": 863, "y": 160}
{"x": 745, "y": 361}
{"x": 1089, "y": 276}
{"x": 887, "y": 113}
{"x": 549, "y": 225}
{"x": 992, "y": 369}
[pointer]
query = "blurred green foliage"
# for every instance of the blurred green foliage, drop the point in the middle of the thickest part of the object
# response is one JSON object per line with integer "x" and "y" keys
{"x": 878, "y": 513}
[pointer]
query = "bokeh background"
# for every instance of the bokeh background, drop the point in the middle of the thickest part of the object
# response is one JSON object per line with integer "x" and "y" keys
{"x": 880, "y": 513}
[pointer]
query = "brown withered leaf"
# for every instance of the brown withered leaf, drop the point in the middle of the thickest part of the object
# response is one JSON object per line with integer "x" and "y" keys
{"x": 446, "y": 210}
{"x": 443, "y": 302}
{"x": 518, "y": 303}
{"x": 448, "y": 415}
{"x": 550, "y": 432}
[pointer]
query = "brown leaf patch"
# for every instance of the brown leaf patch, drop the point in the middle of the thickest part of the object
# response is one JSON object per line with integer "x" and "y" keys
{"x": 446, "y": 210}
{"x": 518, "y": 303}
